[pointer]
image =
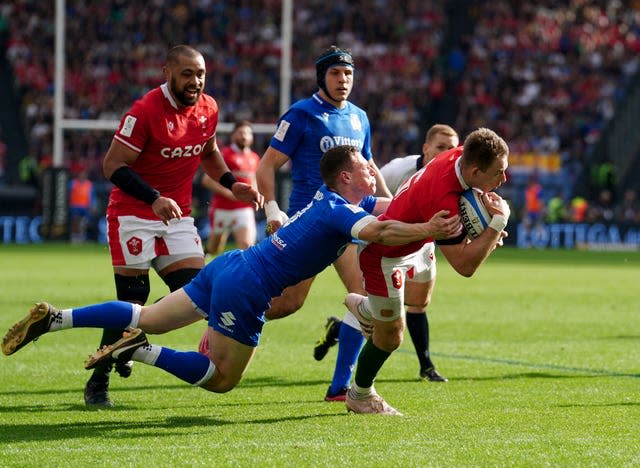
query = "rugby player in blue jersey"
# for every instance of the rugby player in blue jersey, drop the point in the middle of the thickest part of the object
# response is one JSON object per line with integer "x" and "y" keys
{"x": 304, "y": 132}
{"x": 234, "y": 290}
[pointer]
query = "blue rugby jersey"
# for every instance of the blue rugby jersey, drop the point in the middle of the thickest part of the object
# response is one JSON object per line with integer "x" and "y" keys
{"x": 308, "y": 129}
{"x": 309, "y": 242}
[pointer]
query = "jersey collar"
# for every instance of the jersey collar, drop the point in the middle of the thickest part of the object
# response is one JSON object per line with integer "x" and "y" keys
{"x": 165, "y": 90}
{"x": 323, "y": 102}
{"x": 459, "y": 173}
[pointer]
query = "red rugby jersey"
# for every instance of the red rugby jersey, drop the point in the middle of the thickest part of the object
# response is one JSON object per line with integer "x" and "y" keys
{"x": 435, "y": 187}
{"x": 243, "y": 166}
{"x": 170, "y": 141}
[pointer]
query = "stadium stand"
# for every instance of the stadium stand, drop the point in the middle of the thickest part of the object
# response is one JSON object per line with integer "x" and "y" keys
{"x": 546, "y": 75}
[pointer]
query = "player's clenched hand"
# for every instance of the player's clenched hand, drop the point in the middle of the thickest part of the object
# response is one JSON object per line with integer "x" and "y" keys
{"x": 166, "y": 209}
{"x": 443, "y": 227}
{"x": 246, "y": 193}
{"x": 496, "y": 205}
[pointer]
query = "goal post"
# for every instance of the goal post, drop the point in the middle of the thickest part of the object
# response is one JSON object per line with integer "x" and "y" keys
{"x": 60, "y": 124}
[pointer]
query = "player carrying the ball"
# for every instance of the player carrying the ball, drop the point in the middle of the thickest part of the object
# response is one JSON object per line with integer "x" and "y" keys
{"x": 481, "y": 163}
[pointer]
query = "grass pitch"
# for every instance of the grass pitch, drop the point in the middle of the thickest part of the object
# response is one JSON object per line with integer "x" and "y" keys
{"x": 541, "y": 349}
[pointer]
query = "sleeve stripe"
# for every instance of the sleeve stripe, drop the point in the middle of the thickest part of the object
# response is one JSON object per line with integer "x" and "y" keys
{"x": 126, "y": 143}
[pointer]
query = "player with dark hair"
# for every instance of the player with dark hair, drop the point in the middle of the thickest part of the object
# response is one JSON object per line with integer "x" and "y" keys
{"x": 233, "y": 291}
{"x": 160, "y": 143}
{"x": 481, "y": 163}
{"x": 418, "y": 289}
{"x": 304, "y": 132}
{"x": 226, "y": 213}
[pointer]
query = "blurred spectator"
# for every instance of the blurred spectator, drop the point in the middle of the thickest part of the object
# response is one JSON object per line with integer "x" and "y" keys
{"x": 628, "y": 210}
{"x": 556, "y": 209}
{"x": 81, "y": 202}
{"x": 602, "y": 209}
{"x": 603, "y": 177}
{"x": 578, "y": 209}
{"x": 29, "y": 171}
{"x": 3, "y": 158}
{"x": 534, "y": 203}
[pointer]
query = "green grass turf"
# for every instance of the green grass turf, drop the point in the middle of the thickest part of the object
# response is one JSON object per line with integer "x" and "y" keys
{"x": 541, "y": 349}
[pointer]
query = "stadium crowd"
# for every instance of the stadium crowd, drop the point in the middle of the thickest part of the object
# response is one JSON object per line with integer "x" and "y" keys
{"x": 545, "y": 75}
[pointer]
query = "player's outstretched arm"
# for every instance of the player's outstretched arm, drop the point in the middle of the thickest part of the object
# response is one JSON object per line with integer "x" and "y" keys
{"x": 392, "y": 232}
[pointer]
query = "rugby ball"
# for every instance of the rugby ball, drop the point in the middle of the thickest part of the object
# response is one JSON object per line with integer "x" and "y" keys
{"x": 473, "y": 214}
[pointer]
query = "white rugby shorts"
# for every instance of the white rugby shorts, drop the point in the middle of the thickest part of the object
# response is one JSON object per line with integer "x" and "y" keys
{"x": 385, "y": 278}
{"x": 137, "y": 242}
{"x": 231, "y": 220}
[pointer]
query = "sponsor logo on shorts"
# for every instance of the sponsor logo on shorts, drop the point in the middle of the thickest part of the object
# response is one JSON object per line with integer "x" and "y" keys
{"x": 227, "y": 321}
{"x": 134, "y": 246}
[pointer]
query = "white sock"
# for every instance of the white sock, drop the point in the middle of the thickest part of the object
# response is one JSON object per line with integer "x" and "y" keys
{"x": 360, "y": 393}
{"x": 61, "y": 320}
{"x": 147, "y": 354}
{"x": 351, "y": 320}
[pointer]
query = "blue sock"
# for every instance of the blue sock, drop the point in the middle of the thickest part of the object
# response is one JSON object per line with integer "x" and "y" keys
{"x": 189, "y": 366}
{"x": 350, "y": 342}
{"x": 113, "y": 314}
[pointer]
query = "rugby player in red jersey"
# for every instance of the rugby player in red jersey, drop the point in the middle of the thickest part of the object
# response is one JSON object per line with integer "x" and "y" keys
{"x": 226, "y": 213}
{"x": 160, "y": 143}
{"x": 481, "y": 163}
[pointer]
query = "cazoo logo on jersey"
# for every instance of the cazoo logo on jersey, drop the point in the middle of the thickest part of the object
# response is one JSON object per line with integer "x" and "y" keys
{"x": 328, "y": 142}
{"x": 182, "y": 151}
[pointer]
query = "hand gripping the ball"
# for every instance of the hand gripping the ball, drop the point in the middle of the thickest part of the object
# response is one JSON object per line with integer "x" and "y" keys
{"x": 498, "y": 208}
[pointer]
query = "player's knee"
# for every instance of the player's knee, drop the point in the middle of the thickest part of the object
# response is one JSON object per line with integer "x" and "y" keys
{"x": 219, "y": 383}
{"x": 132, "y": 288}
{"x": 179, "y": 278}
{"x": 388, "y": 335}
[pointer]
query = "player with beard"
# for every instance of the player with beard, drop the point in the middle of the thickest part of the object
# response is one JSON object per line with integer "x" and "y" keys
{"x": 160, "y": 143}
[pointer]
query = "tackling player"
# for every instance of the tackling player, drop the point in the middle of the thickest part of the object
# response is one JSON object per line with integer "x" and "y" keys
{"x": 152, "y": 160}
